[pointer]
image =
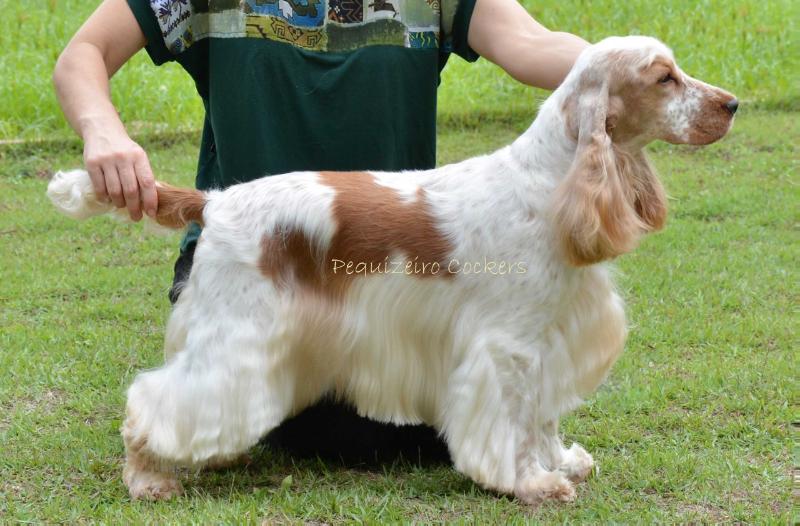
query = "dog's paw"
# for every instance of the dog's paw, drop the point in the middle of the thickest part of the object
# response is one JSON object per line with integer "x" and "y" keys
{"x": 548, "y": 485}
{"x": 151, "y": 485}
{"x": 577, "y": 464}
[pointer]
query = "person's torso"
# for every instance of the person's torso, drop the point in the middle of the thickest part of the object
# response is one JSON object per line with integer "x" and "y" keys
{"x": 294, "y": 85}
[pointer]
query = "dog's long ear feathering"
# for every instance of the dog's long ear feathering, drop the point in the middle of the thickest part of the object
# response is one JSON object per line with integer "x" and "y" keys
{"x": 610, "y": 197}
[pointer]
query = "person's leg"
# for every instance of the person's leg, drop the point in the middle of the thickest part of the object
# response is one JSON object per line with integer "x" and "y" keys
{"x": 183, "y": 266}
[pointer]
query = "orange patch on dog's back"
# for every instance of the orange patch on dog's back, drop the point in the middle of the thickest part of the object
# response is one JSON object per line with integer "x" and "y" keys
{"x": 373, "y": 223}
{"x": 288, "y": 255}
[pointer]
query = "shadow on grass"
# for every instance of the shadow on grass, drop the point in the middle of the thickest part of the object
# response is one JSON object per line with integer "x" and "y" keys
{"x": 334, "y": 432}
{"x": 329, "y": 446}
{"x": 270, "y": 470}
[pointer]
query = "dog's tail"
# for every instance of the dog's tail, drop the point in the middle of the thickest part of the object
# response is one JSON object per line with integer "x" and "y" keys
{"x": 73, "y": 194}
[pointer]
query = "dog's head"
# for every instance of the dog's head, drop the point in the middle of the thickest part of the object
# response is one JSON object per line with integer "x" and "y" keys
{"x": 623, "y": 93}
{"x": 631, "y": 89}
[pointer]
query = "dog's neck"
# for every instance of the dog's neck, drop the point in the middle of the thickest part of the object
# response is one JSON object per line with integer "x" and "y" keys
{"x": 546, "y": 147}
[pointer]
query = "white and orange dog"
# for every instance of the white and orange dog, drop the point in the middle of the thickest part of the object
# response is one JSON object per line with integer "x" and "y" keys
{"x": 472, "y": 297}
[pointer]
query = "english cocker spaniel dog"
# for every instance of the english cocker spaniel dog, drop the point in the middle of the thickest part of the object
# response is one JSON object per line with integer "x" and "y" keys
{"x": 474, "y": 297}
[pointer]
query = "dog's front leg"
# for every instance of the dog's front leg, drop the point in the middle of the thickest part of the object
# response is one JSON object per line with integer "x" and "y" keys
{"x": 546, "y": 469}
{"x": 478, "y": 423}
{"x": 493, "y": 432}
{"x": 539, "y": 455}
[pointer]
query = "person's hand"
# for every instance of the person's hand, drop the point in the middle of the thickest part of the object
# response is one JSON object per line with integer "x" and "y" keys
{"x": 120, "y": 172}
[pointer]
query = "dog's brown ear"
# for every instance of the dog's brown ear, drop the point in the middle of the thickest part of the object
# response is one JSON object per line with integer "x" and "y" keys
{"x": 608, "y": 198}
{"x": 649, "y": 199}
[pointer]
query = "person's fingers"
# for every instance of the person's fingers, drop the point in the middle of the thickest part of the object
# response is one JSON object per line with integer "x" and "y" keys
{"x": 98, "y": 181}
{"x": 147, "y": 184}
{"x": 113, "y": 186}
{"x": 130, "y": 189}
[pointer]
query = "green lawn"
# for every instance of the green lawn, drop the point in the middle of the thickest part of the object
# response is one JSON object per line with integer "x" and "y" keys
{"x": 693, "y": 424}
{"x": 742, "y": 45}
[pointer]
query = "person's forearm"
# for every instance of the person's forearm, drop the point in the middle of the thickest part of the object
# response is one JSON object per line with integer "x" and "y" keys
{"x": 503, "y": 32}
{"x": 82, "y": 86}
{"x": 118, "y": 167}
{"x": 543, "y": 59}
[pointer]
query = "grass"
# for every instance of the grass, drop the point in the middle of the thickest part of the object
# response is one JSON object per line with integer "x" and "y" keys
{"x": 693, "y": 424}
{"x": 746, "y": 46}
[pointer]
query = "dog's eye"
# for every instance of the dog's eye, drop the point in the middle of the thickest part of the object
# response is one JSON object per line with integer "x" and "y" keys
{"x": 666, "y": 79}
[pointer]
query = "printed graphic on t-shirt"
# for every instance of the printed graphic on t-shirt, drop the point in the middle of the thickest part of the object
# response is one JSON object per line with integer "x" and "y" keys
{"x": 318, "y": 25}
{"x": 303, "y": 13}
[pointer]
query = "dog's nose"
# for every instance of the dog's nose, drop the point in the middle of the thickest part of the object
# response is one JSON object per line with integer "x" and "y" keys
{"x": 732, "y": 105}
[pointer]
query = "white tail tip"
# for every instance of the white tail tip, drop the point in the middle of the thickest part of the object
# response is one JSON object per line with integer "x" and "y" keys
{"x": 73, "y": 194}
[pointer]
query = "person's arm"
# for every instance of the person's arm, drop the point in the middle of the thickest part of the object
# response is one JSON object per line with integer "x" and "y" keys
{"x": 119, "y": 168}
{"x": 504, "y": 33}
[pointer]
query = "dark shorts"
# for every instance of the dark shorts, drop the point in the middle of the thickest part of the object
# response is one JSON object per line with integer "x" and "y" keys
{"x": 333, "y": 430}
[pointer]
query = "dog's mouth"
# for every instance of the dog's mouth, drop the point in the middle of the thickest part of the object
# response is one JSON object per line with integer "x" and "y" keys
{"x": 709, "y": 129}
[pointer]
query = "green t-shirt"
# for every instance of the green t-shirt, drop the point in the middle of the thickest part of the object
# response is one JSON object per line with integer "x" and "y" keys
{"x": 293, "y": 85}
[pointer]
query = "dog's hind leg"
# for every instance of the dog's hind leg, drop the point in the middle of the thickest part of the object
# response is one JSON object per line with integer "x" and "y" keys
{"x": 212, "y": 400}
{"x": 145, "y": 475}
